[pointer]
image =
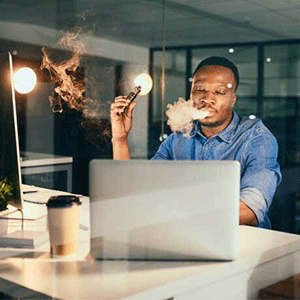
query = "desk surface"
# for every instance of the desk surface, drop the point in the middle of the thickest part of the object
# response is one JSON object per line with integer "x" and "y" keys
{"x": 265, "y": 257}
{"x": 88, "y": 279}
{"x": 32, "y": 159}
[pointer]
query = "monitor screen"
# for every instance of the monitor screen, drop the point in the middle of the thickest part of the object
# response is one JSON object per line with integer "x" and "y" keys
{"x": 9, "y": 142}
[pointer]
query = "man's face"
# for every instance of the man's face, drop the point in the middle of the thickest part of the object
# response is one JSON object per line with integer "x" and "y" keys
{"x": 213, "y": 89}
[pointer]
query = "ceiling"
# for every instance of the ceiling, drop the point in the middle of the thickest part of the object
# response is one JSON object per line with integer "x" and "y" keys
{"x": 186, "y": 22}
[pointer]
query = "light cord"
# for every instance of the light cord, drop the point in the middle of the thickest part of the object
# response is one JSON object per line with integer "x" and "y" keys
{"x": 163, "y": 73}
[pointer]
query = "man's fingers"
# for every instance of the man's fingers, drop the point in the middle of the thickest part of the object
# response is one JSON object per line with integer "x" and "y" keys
{"x": 116, "y": 110}
{"x": 130, "y": 109}
{"x": 118, "y": 105}
{"x": 122, "y": 105}
{"x": 122, "y": 99}
{"x": 120, "y": 102}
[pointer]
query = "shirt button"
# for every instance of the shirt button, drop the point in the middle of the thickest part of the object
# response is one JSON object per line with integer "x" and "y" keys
{"x": 206, "y": 146}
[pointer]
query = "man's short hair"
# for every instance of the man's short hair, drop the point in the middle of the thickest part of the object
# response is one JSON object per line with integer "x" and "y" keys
{"x": 220, "y": 61}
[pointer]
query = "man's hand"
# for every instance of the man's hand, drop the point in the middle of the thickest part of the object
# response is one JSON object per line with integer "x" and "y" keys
{"x": 247, "y": 216}
{"x": 121, "y": 121}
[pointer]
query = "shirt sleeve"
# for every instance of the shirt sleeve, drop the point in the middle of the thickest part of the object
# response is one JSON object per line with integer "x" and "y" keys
{"x": 164, "y": 150}
{"x": 261, "y": 172}
{"x": 254, "y": 199}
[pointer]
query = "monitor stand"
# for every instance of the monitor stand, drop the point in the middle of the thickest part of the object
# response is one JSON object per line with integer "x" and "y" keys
{"x": 16, "y": 236}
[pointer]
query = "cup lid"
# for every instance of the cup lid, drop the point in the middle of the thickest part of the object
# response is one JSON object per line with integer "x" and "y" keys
{"x": 62, "y": 201}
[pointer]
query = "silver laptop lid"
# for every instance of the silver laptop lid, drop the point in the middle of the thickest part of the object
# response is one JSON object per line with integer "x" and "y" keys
{"x": 170, "y": 210}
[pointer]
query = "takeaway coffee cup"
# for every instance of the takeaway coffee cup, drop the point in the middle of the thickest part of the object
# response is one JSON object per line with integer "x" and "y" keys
{"x": 63, "y": 224}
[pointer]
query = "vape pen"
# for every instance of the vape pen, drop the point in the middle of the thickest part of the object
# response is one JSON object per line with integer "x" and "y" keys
{"x": 131, "y": 96}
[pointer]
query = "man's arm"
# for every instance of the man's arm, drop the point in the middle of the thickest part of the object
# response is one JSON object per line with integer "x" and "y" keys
{"x": 120, "y": 149}
{"x": 247, "y": 216}
{"x": 260, "y": 176}
{"x": 121, "y": 124}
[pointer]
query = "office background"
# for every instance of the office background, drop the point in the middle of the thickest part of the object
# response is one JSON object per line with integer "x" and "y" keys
{"x": 166, "y": 38}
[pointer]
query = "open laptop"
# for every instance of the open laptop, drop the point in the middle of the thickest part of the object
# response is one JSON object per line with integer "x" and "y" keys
{"x": 164, "y": 210}
{"x": 9, "y": 145}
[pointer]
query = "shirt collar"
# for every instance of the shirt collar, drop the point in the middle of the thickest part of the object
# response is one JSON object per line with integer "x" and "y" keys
{"x": 226, "y": 135}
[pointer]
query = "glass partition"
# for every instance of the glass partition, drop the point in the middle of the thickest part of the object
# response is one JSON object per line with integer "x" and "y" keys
{"x": 122, "y": 39}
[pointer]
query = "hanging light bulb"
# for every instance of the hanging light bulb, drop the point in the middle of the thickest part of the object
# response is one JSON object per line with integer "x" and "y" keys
{"x": 163, "y": 137}
{"x": 24, "y": 80}
{"x": 145, "y": 81}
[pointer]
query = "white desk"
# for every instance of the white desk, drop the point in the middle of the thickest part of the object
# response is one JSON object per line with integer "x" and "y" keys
{"x": 265, "y": 257}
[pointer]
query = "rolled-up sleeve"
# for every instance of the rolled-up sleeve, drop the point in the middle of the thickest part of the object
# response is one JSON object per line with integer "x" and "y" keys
{"x": 260, "y": 174}
{"x": 254, "y": 199}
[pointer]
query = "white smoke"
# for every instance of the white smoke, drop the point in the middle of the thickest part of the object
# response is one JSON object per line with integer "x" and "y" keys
{"x": 181, "y": 115}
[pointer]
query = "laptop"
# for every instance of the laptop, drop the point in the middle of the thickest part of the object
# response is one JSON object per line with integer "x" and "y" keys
{"x": 164, "y": 210}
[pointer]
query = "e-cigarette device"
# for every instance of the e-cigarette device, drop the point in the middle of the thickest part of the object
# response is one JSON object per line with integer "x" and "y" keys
{"x": 131, "y": 96}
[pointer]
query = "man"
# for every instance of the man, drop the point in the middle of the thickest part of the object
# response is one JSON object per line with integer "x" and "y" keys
{"x": 222, "y": 135}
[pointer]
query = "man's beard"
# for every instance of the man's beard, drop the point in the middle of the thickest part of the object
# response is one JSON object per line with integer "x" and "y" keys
{"x": 211, "y": 124}
{"x": 214, "y": 124}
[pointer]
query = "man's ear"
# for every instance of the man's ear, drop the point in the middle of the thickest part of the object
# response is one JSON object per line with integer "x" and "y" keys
{"x": 234, "y": 98}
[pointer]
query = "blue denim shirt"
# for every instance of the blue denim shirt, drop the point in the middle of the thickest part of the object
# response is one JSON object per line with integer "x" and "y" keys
{"x": 245, "y": 140}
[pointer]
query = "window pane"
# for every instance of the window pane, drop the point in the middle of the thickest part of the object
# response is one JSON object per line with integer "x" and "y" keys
{"x": 280, "y": 102}
{"x": 281, "y": 70}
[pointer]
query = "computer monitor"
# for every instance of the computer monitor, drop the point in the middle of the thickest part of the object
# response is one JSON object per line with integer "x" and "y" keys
{"x": 10, "y": 167}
